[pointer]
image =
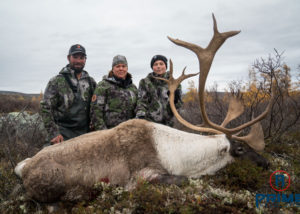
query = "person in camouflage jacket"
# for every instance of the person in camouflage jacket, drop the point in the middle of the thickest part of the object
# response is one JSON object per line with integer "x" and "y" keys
{"x": 153, "y": 94}
{"x": 115, "y": 97}
{"x": 65, "y": 106}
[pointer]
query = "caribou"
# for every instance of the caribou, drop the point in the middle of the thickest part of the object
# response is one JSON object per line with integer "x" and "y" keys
{"x": 140, "y": 149}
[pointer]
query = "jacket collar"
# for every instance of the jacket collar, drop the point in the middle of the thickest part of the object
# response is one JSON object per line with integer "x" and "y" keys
{"x": 152, "y": 76}
{"x": 70, "y": 71}
{"x": 117, "y": 81}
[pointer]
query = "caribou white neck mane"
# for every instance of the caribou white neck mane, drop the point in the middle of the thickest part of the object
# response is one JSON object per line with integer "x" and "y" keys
{"x": 142, "y": 149}
{"x": 178, "y": 152}
{"x": 181, "y": 152}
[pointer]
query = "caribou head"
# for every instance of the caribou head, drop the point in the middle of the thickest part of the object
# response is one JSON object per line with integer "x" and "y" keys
{"x": 142, "y": 149}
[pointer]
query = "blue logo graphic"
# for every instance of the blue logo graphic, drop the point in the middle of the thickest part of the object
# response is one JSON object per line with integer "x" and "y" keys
{"x": 282, "y": 183}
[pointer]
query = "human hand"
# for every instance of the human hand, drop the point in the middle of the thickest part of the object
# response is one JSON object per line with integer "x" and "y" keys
{"x": 57, "y": 139}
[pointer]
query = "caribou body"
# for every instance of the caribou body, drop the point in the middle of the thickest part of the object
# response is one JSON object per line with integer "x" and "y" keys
{"x": 134, "y": 149}
{"x": 142, "y": 149}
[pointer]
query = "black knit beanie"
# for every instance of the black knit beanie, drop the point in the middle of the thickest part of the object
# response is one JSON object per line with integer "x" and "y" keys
{"x": 159, "y": 57}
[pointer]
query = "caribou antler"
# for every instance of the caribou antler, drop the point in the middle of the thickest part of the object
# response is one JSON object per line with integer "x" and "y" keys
{"x": 205, "y": 58}
{"x": 173, "y": 84}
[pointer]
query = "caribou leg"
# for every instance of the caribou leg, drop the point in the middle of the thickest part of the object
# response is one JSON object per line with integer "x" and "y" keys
{"x": 170, "y": 179}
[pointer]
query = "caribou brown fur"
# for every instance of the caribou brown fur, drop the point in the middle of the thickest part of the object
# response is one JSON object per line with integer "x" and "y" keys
{"x": 70, "y": 169}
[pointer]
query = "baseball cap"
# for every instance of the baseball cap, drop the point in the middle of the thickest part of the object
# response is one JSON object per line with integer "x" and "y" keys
{"x": 77, "y": 49}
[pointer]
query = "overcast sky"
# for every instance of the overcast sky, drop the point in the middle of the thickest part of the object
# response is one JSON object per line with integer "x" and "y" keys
{"x": 36, "y": 36}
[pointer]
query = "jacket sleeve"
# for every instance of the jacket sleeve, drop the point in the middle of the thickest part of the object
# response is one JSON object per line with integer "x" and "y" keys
{"x": 48, "y": 103}
{"x": 94, "y": 84}
{"x": 142, "y": 102}
{"x": 98, "y": 107}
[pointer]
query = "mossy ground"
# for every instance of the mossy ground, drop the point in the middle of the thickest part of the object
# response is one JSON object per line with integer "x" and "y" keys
{"x": 231, "y": 190}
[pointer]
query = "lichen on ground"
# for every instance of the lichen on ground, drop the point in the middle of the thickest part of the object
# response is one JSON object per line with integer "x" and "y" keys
{"x": 231, "y": 190}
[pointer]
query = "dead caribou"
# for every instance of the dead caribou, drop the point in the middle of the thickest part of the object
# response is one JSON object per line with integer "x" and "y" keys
{"x": 143, "y": 149}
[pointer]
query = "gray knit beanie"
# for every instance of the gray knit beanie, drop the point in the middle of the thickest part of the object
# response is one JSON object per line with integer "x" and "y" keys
{"x": 119, "y": 59}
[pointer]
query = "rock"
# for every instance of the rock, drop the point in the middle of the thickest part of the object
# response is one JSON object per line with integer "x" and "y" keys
{"x": 22, "y": 124}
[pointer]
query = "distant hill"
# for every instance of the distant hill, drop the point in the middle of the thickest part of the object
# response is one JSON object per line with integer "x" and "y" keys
{"x": 11, "y": 101}
{"x": 18, "y": 93}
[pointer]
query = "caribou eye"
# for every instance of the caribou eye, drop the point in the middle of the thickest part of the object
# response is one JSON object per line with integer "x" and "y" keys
{"x": 240, "y": 150}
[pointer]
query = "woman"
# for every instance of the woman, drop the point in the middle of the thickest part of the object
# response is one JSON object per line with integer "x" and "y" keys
{"x": 153, "y": 95}
{"x": 115, "y": 97}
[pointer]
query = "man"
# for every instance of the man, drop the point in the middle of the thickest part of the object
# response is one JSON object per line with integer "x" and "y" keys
{"x": 66, "y": 103}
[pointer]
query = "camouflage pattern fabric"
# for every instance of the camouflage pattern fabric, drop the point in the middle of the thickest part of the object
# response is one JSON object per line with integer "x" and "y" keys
{"x": 153, "y": 100}
{"x": 59, "y": 98}
{"x": 114, "y": 101}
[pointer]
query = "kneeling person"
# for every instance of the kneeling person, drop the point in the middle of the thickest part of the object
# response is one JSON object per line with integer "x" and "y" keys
{"x": 65, "y": 106}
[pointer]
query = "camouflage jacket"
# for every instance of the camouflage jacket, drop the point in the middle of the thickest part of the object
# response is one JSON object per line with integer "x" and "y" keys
{"x": 58, "y": 98}
{"x": 153, "y": 100}
{"x": 114, "y": 101}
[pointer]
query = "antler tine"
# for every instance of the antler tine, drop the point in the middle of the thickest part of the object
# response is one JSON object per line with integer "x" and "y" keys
{"x": 224, "y": 34}
{"x": 235, "y": 109}
{"x": 173, "y": 85}
{"x": 215, "y": 24}
{"x": 190, "y": 46}
{"x": 186, "y": 76}
{"x": 257, "y": 119}
{"x": 255, "y": 139}
{"x": 172, "y": 82}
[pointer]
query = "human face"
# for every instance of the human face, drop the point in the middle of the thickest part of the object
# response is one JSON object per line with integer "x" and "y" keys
{"x": 159, "y": 67}
{"x": 120, "y": 71}
{"x": 77, "y": 61}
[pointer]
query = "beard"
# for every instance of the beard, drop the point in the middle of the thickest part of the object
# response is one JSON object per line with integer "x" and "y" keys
{"x": 76, "y": 68}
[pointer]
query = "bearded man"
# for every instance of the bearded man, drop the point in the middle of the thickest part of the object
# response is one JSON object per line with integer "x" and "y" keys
{"x": 65, "y": 106}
